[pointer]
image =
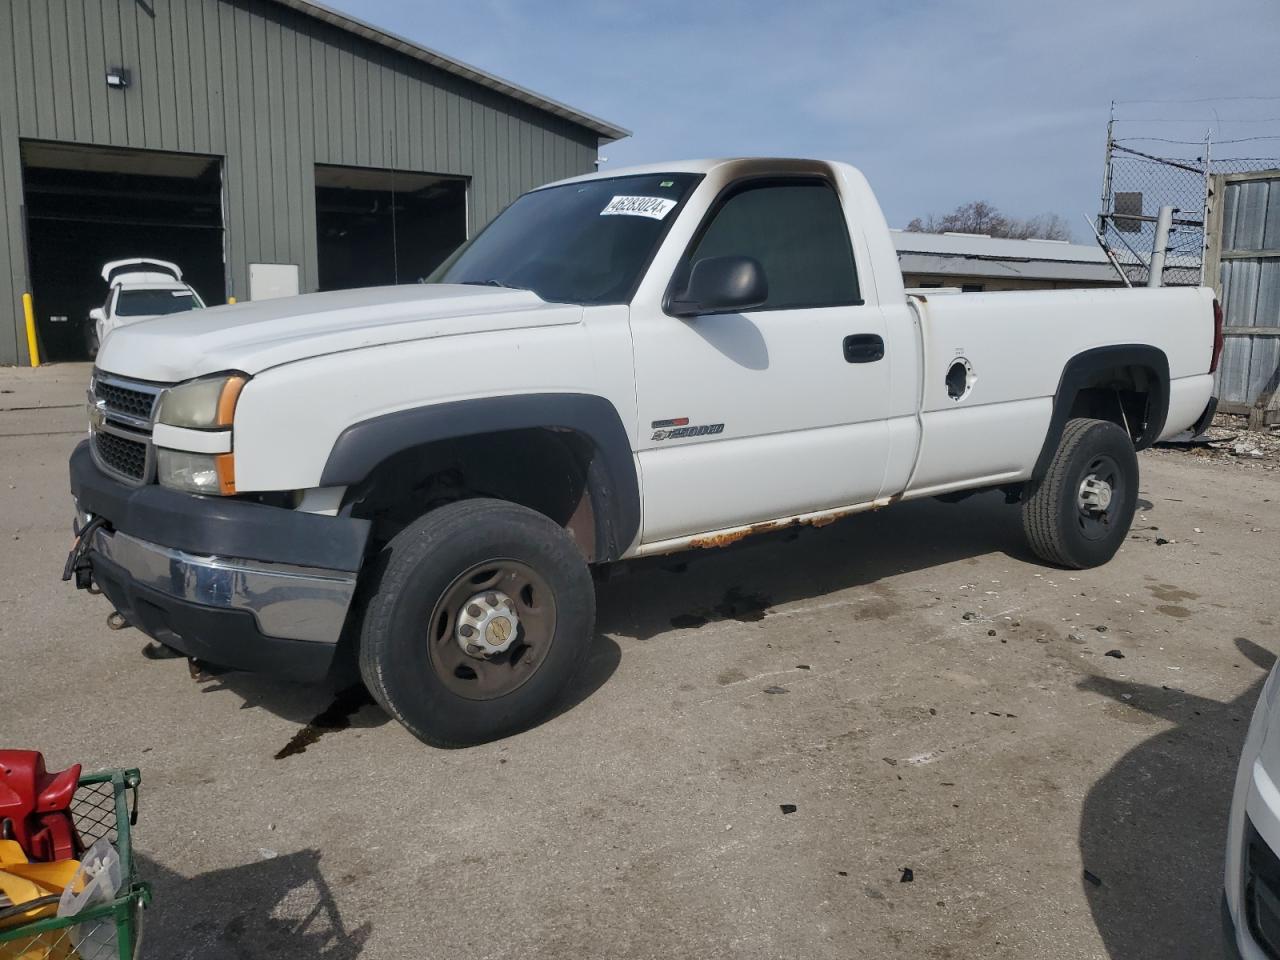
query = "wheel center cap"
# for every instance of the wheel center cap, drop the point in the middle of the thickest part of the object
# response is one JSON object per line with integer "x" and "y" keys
{"x": 1095, "y": 494}
{"x": 499, "y": 631}
{"x": 487, "y": 625}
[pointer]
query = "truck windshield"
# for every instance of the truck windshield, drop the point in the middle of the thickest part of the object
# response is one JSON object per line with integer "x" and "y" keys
{"x": 585, "y": 242}
{"x": 150, "y": 303}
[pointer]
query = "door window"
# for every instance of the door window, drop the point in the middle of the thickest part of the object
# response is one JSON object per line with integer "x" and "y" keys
{"x": 796, "y": 230}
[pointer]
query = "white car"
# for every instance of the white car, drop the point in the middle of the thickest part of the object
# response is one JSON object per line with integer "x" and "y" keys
{"x": 670, "y": 357}
{"x": 1251, "y": 902}
{"x": 139, "y": 288}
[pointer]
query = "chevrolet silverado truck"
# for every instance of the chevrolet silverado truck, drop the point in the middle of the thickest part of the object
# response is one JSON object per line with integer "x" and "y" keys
{"x": 664, "y": 358}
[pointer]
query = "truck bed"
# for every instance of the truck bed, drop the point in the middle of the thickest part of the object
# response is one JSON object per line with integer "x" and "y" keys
{"x": 1015, "y": 345}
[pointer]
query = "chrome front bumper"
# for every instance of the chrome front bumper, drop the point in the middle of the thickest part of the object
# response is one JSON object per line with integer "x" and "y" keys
{"x": 288, "y": 602}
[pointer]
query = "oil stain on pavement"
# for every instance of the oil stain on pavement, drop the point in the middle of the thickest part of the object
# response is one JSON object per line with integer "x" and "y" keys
{"x": 735, "y": 605}
{"x": 1171, "y": 594}
{"x": 337, "y": 716}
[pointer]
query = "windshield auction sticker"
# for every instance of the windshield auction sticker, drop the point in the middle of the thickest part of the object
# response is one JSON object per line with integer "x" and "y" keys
{"x": 653, "y": 207}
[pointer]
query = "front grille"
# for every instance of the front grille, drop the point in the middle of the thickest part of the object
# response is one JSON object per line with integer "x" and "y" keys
{"x": 122, "y": 455}
{"x": 122, "y": 425}
{"x": 120, "y": 399}
{"x": 1262, "y": 891}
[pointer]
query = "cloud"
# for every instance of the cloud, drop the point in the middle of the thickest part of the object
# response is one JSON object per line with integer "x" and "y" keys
{"x": 939, "y": 101}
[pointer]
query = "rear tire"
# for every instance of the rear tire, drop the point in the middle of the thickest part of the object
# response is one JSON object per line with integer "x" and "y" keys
{"x": 1078, "y": 514}
{"x": 447, "y": 579}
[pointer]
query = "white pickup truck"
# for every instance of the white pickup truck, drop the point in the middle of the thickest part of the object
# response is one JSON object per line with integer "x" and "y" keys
{"x": 669, "y": 357}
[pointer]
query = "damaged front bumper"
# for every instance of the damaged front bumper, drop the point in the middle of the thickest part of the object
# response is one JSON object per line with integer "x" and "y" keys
{"x": 230, "y": 582}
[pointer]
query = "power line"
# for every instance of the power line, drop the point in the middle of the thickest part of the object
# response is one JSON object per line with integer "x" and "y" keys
{"x": 1194, "y": 120}
{"x": 1193, "y": 143}
{"x": 1199, "y": 100}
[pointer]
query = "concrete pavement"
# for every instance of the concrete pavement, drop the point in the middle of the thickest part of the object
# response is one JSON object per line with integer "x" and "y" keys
{"x": 922, "y": 692}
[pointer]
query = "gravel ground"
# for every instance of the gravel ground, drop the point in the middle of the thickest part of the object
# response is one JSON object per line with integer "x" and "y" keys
{"x": 1229, "y": 438}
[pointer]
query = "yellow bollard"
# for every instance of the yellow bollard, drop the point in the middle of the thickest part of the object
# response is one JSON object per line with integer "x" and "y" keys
{"x": 231, "y": 299}
{"x": 30, "y": 313}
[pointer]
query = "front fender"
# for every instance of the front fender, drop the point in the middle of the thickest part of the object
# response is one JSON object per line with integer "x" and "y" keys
{"x": 614, "y": 485}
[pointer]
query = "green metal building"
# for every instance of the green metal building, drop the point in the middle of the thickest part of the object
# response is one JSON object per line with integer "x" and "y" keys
{"x": 246, "y": 139}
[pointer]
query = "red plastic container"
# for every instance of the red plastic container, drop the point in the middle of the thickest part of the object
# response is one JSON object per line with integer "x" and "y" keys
{"x": 35, "y": 806}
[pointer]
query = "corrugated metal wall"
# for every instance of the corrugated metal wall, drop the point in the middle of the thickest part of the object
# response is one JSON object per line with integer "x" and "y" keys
{"x": 270, "y": 90}
{"x": 1250, "y": 287}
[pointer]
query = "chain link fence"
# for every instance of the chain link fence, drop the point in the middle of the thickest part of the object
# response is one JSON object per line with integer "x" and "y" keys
{"x": 1138, "y": 183}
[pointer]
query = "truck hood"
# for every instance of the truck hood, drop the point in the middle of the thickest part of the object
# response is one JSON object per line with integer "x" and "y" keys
{"x": 252, "y": 337}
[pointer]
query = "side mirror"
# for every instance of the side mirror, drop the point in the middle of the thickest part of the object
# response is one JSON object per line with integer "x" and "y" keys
{"x": 97, "y": 315}
{"x": 721, "y": 285}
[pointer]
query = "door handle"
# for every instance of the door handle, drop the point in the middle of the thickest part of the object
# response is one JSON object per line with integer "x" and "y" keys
{"x": 863, "y": 348}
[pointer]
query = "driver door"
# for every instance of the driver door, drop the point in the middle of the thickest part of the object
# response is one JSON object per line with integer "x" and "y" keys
{"x": 775, "y": 411}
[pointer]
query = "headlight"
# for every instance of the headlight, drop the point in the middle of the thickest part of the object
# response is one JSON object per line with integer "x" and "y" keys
{"x": 206, "y": 404}
{"x": 196, "y": 472}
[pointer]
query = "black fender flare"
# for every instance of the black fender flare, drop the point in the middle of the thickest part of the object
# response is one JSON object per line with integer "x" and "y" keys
{"x": 611, "y": 476}
{"x": 1081, "y": 368}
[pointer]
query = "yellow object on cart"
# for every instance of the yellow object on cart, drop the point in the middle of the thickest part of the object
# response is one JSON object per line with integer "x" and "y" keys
{"x": 50, "y": 945}
{"x": 38, "y": 884}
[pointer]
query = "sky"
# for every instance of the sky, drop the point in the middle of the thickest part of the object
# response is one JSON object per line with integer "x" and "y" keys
{"x": 939, "y": 102}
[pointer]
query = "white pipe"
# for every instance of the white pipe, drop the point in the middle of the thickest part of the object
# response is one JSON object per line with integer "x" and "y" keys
{"x": 1164, "y": 224}
{"x": 1124, "y": 277}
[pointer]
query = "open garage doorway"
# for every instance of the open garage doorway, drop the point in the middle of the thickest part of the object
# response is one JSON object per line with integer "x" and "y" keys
{"x": 378, "y": 227}
{"x": 86, "y": 205}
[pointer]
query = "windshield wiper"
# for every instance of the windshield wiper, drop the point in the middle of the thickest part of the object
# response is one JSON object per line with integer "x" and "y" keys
{"x": 492, "y": 283}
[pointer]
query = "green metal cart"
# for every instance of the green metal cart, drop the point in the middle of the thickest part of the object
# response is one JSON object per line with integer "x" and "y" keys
{"x": 105, "y": 806}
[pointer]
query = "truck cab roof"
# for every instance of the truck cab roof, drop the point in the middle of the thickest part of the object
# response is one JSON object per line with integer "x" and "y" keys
{"x": 703, "y": 166}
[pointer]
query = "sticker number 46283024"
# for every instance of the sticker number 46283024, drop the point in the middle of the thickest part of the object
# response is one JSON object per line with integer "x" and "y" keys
{"x": 653, "y": 207}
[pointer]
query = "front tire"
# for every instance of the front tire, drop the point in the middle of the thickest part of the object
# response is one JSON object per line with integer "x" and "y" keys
{"x": 482, "y": 612}
{"x": 1078, "y": 514}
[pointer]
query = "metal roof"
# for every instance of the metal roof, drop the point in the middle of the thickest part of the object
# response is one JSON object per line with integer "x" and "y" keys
{"x": 926, "y": 264}
{"x": 978, "y": 245}
{"x": 971, "y": 254}
{"x": 606, "y": 130}
{"x": 975, "y": 255}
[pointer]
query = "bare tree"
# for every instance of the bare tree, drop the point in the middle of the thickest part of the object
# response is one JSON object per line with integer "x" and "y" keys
{"x": 1044, "y": 226}
{"x": 979, "y": 216}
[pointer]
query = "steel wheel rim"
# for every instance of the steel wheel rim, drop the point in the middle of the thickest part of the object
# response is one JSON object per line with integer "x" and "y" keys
{"x": 1094, "y": 522}
{"x": 477, "y": 678}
